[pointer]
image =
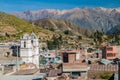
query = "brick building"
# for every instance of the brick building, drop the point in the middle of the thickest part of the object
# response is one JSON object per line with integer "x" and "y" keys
{"x": 118, "y": 51}
{"x": 73, "y": 63}
{"x": 109, "y": 52}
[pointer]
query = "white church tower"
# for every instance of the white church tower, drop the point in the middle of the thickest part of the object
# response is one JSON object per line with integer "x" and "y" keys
{"x": 29, "y": 49}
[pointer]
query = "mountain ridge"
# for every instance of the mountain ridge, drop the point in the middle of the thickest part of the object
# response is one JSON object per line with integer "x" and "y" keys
{"x": 61, "y": 25}
{"x": 98, "y": 18}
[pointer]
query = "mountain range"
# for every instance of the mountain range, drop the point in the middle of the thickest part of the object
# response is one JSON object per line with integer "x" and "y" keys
{"x": 98, "y": 18}
{"x": 12, "y": 28}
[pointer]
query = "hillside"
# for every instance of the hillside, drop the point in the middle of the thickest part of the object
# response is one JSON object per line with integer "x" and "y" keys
{"x": 92, "y": 18}
{"x": 61, "y": 26}
{"x": 11, "y": 28}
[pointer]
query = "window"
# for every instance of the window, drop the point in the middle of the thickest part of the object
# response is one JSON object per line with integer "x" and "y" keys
{"x": 24, "y": 44}
{"x": 65, "y": 57}
{"x": 48, "y": 54}
{"x": 109, "y": 48}
{"x": 110, "y": 54}
{"x": 32, "y": 41}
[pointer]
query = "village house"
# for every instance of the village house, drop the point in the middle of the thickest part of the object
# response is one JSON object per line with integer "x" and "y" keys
{"x": 74, "y": 63}
{"x": 5, "y": 49}
{"x": 118, "y": 51}
{"x": 49, "y": 54}
{"x": 111, "y": 52}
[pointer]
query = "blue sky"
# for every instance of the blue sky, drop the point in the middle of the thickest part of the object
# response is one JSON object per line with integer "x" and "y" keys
{"x": 22, "y": 5}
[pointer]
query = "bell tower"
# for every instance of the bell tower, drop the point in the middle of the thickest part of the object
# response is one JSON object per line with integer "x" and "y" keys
{"x": 29, "y": 49}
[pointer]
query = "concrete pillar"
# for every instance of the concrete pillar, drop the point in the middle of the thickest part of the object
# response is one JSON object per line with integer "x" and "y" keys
{"x": 14, "y": 68}
{"x": 1, "y": 70}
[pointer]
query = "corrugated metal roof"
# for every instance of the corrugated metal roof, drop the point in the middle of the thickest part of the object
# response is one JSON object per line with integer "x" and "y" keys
{"x": 53, "y": 73}
{"x": 106, "y": 62}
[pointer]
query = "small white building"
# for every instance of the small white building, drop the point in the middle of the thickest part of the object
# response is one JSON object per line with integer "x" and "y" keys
{"x": 29, "y": 49}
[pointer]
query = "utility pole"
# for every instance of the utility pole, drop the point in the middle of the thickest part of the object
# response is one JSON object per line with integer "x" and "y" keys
{"x": 57, "y": 51}
{"x": 118, "y": 70}
{"x": 17, "y": 57}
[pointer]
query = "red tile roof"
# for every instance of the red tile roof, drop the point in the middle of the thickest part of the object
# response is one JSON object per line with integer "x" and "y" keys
{"x": 104, "y": 67}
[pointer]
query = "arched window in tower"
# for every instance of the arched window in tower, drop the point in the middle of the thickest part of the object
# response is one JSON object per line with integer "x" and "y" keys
{"x": 32, "y": 41}
{"x": 24, "y": 44}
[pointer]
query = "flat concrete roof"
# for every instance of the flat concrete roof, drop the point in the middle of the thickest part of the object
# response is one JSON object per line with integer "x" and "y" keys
{"x": 20, "y": 77}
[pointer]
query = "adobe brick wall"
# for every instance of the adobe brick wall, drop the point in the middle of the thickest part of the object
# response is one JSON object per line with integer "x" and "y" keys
{"x": 71, "y": 58}
{"x": 118, "y": 51}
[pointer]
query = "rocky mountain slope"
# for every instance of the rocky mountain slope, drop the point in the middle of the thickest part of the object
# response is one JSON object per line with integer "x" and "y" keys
{"x": 114, "y": 30}
{"x": 61, "y": 26}
{"x": 92, "y": 18}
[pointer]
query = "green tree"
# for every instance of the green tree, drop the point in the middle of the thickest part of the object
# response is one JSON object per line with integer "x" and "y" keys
{"x": 106, "y": 76}
{"x": 79, "y": 37}
{"x": 52, "y": 29}
{"x": 55, "y": 43}
{"x": 98, "y": 37}
{"x": 7, "y": 35}
{"x": 89, "y": 50}
{"x": 57, "y": 40}
{"x": 117, "y": 37}
{"x": 86, "y": 33}
{"x": 50, "y": 45}
{"x": 67, "y": 32}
